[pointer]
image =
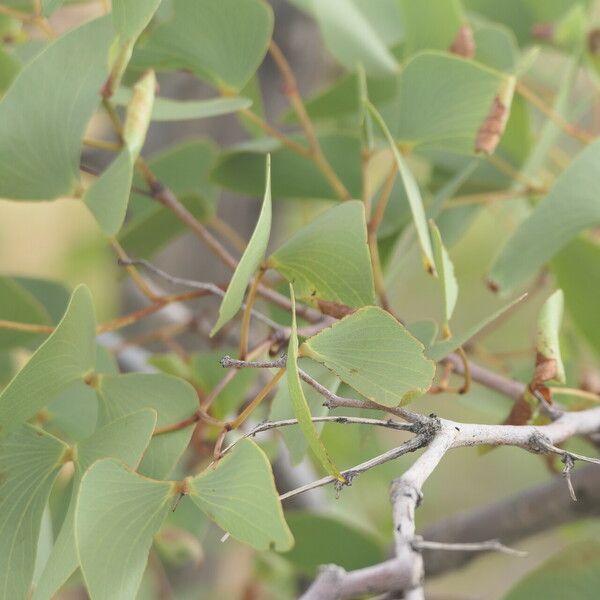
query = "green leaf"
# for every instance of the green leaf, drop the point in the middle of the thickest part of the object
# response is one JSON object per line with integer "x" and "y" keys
{"x": 44, "y": 114}
{"x": 445, "y": 271}
{"x": 373, "y": 353}
{"x": 9, "y": 69}
{"x": 107, "y": 196}
{"x": 29, "y": 463}
{"x": 184, "y": 169}
{"x": 173, "y": 400}
{"x": 412, "y": 193}
{"x": 322, "y": 538}
{"x": 124, "y": 439}
{"x": 442, "y": 102}
{"x": 17, "y": 304}
{"x": 52, "y": 295}
{"x": 496, "y": 47}
{"x": 572, "y": 573}
{"x": 571, "y": 206}
{"x": 49, "y": 6}
{"x": 342, "y": 97}
{"x": 351, "y": 38}
{"x": 250, "y": 261}
{"x": 67, "y": 355}
{"x": 577, "y": 271}
{"x": 430, "y": 23}
{"x": 547, "y": 334}
{"x": 240, "y": 168}
{"x": 238, "y": 493}
{"x": 300, "y": 406}
{"x": 223, "y": 41}
{"x": 282, "y": 407}
{"x": 329, "y": 259}
{"x": 130, "y": 17}
{"x": 441, "y": 349}
{"x": 166, "y": 109}
{"x": 116, "y": 516}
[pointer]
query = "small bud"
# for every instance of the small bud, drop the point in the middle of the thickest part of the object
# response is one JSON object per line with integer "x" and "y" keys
{"x": 178, "y": 547}
{"x": 139, "y": 111}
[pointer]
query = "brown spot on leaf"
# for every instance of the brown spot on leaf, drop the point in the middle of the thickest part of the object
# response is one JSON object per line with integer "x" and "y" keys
{"x": 545, "y": 370}
{"x": 594, "y": 41}
{"x": 463, "y": 44}
{"x": 521, "y": 413}
{"x": 334, "y": 309}
{"x": 493, "y": 126}
{"x": 492, "y": 286}
{"x": 542, "y": 31}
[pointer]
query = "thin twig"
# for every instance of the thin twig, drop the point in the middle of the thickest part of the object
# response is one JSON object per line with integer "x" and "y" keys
{"x": 208, "y": 287}
{"x": 487, "y": 546}
{"x": 339, "y": 420}
{"x": 293, "y": 95}
{"x": 568, "y": 128}
{"x": 350, "y": 474}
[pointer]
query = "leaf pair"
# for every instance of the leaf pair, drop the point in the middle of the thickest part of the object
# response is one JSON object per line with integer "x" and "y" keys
{"x": 328, "y": 259}
{"x": 119, "y": 512}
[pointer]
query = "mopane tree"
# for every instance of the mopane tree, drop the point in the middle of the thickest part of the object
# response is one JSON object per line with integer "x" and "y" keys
{"x": 412, "y": 322}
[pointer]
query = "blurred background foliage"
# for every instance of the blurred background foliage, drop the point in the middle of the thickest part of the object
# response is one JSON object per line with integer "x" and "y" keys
{"x": 552, "y": 46}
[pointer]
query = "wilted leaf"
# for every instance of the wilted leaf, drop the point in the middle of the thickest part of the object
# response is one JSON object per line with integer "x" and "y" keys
{"x": 374, "y": 354}
{"x": 328, "y": 259}
{"x": 238, "y": 493}
{"x": 250, "y": 261}
{"x": 66, "y": 356}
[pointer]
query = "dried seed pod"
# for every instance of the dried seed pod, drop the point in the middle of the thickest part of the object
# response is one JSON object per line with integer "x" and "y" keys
{"x": 492, "y": 128}
{"x": 464, "y": 43}
{"x": 139, "y": 111}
